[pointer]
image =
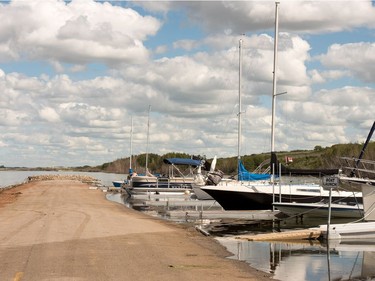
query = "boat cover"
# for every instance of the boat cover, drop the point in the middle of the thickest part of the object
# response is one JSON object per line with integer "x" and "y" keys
{"x": 182, "y": 161}
{"x": 244, "y": 175}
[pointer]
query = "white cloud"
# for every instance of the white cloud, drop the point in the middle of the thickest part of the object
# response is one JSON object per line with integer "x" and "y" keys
{"x": 49, "y": 114}
{"x": 294, "y": 16}
{"x": 83, "y": 110}
{"x": 161, "y": 49}
{"x": 75, "y": 32}
{"x": 185, "y": 44}
{"x": 358, "y": 58}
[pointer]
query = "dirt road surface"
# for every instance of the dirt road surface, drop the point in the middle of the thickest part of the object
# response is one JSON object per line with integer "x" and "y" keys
{"x": 62, "y": 230}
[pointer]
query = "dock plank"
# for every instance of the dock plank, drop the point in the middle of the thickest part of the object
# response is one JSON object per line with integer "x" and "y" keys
{"x": 303, "y": 234}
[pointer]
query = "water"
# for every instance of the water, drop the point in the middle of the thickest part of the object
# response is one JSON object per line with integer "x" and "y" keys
{"x": 8, "y": 178}
{"x": 308, "y": 261}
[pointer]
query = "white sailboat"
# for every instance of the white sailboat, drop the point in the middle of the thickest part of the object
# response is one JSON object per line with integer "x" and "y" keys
{"x": 250, "y": 194}
{"x": 120, "y": 183}
{"x": 176, "y": 184}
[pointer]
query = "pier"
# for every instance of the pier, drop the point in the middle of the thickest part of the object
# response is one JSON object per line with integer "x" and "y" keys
{"x": 64, "y": 230}
{"x": 302, "y": 234}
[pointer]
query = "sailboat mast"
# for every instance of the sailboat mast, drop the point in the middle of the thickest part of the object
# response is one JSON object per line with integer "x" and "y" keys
{"x": 131, "y": 145}
{"x": 239, "y": 105}
{"x": 274, "y": 94}
{"x": 148, "y": 136}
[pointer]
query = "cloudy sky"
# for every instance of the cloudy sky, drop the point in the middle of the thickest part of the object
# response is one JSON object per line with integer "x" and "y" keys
{"x": 73, "y": 74}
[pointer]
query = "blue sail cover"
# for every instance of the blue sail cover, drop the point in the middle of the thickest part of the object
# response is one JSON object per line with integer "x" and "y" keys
{"x": 182, "y": 161}
{"x": 244, "y": 175}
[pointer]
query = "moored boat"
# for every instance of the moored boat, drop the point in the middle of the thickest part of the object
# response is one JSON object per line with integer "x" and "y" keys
{"x": 320, "y": 210}
{"x": 180, "y": 183}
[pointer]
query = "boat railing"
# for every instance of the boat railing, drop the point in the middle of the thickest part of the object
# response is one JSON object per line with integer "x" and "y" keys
{"x": 360, "y": 167}
{"x": 261, "y": 169}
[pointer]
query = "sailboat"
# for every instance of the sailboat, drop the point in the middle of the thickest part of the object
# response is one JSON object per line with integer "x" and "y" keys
{"x": 135, "y": 180}
{"x": 213, "y": 178}
{"x": 247, "y": 193}
{"x": 176, "y": 182}
{"x": 120, "y": 183}
{"x": 352, "y": 181}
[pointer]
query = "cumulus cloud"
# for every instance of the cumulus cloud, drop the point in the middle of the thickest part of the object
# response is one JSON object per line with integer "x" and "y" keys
{"x": 294, "y": 16}
{"x": 49, "y": 114}
{"x": 101, "y": 74}
{"x": 76, "y": 32}
{"x": 359, "y": 58}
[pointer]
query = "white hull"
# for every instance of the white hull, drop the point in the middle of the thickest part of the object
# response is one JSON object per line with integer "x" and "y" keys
{"x": 320, "y": 210}
{"x": 151, "y": 191}
{"x": 259, "y": 195}
{"x": 354, "y": 231}
{"x": 154, "y": 185}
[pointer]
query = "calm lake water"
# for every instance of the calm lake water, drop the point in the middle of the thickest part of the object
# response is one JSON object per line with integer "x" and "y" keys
{"x": 8, "y": 178}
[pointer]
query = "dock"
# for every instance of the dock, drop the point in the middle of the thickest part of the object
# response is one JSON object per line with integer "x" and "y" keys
{"x": 303, "y": 234}
{"x": 222, "y": 214}
{"x": 186, "y": 208}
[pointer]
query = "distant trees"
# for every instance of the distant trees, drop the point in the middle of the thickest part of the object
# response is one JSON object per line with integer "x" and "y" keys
{"x": 319, "y": 157}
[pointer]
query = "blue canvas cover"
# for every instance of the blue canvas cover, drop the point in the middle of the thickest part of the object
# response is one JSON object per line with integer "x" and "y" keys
{"x": 244, "y": 175}
{"x": 182, "y": 161}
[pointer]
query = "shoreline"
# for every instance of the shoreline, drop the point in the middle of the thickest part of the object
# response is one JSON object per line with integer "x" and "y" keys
{"x": 190, "y": 237}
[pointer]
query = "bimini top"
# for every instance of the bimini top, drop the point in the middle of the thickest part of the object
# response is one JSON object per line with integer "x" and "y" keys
{"x": 182, "y": 161}
{"x": 244, "y": 175}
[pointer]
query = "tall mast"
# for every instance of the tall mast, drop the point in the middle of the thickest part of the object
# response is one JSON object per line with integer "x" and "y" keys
{"x": 148, "y": 136}
{"x": 274, "y": 94}
{"x": 239, "y": 105}
{"x": 131, "y": 145}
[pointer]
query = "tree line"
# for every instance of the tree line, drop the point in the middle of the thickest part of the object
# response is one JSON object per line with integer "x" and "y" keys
{"x": 318, "y": 158}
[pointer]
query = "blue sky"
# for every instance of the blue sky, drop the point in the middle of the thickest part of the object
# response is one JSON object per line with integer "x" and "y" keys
{"x": 72, "y": 74}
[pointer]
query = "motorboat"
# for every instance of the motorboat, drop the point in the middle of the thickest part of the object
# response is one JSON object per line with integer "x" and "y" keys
{"x": 320, "y": 210}
{"x": 176, "y": 181}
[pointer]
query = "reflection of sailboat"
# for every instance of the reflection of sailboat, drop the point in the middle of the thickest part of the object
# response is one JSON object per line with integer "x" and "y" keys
{"x": 259, "y": 193}
{"x": 341, "y": 260}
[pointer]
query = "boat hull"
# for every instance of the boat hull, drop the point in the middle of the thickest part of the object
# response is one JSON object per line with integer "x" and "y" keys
{"x": 153, "y": 185}
{"x": 318, "y": 210}
{"x": 200, "y": 194}
{"x": 118, "y": 184}
{"x": 261, "y": 197}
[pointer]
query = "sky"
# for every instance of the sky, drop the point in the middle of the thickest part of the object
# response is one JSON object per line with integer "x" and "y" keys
{"x": 75, "y": 75}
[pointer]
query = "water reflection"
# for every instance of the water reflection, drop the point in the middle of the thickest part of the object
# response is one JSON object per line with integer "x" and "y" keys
{"x": 308, "y": 261}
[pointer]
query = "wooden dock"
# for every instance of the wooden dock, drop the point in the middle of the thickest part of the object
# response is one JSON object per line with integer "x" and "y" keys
{"x": 302, "y": 234}
{"x": 222, "y": 214}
